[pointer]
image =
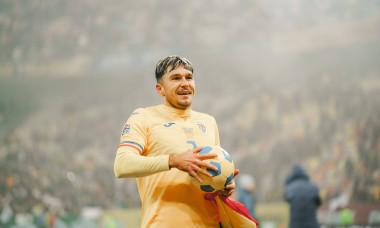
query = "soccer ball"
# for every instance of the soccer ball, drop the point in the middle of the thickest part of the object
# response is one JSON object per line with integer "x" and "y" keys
{"x": 220, "y": 178}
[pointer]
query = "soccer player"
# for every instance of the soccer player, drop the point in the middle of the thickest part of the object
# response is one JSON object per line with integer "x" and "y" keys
{"x": 159, "y": 147}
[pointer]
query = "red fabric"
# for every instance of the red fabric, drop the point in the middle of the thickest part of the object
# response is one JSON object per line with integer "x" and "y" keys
{"x": 211, "y": 196}
{"x": 234, "y": 205}
{"x": 238, "y": 207}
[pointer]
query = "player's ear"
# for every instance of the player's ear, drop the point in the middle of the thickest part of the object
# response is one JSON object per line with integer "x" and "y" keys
{"x": 160, "y": 89}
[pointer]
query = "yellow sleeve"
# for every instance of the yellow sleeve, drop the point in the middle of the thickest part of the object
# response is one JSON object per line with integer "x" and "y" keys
{"x": 130, "y": 160}
{"x": 131, "y": 164}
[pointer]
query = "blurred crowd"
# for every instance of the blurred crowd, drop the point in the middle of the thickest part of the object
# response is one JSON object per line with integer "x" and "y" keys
{"x": 60, "y": 161}
{"x": 330, "y": 124}
{"x": 41, "y": 31}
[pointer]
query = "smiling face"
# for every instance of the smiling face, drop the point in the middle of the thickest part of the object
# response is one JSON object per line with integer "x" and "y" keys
{"x": 177, "y": 88}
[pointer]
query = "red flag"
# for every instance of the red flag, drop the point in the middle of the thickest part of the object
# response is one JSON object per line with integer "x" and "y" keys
{"x": 232, "y": 213}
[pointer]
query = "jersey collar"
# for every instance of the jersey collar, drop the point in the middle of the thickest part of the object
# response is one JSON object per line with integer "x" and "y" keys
{"x": 177, "y": 113}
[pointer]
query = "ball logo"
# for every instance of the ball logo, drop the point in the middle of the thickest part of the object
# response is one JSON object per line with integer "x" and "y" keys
{"x": 126, "y": 129}
{"x": 201, "y": 126}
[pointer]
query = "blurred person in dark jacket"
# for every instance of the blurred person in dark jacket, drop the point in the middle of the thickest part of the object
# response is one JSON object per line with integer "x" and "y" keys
{"x": 303, "y": 197}
{"x": 246, "y": 193}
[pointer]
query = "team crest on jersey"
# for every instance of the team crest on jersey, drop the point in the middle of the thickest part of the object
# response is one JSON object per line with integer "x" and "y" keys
{"x": 201, "y": 126}
{"x": 126, "y": 129}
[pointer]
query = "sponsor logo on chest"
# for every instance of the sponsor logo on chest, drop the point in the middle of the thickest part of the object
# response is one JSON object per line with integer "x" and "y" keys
{"x": 169, "y": 124}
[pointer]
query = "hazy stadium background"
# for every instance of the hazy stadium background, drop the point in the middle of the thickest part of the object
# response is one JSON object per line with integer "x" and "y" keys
{"x": 287, "y": 81}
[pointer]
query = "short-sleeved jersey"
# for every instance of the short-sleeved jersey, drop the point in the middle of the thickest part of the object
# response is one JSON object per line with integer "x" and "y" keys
{"x": 168, "y": 198}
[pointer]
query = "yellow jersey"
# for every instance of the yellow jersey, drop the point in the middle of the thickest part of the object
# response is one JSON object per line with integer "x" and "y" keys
{"x": 167, "y": 196}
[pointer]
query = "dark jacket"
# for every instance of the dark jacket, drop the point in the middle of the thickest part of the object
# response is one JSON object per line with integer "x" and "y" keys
{"x": 248, "y": 200}
{"x": 303, "y": 198}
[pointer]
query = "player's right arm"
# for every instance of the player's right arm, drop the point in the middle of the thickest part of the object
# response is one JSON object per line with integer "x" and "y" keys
{"x": 129, "y": 161}
{"x": 191, "y": 162}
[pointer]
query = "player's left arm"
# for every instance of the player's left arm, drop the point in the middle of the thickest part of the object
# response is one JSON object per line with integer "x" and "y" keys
{"x": 216, "y": 129}
{"x": 230, "y": 188}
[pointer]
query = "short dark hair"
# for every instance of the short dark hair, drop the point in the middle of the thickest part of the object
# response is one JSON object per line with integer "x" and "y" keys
{"x": 174, "y": 61}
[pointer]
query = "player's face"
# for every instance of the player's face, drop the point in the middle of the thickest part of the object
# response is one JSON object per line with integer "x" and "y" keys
{"x": 177, "y": 88}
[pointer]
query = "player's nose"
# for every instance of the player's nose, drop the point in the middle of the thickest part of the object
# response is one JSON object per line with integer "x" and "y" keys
{"x": 184, "y": 82}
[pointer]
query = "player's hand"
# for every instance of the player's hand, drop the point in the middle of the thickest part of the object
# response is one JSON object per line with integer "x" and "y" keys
{"x": 191, "y": 162}
{"x": 230, "y": 188}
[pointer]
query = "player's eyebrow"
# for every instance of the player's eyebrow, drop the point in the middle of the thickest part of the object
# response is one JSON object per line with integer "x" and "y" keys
{"x": 175, "y": 75}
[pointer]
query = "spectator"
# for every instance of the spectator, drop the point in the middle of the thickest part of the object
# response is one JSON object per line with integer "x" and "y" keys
{"x": 303, "y": 198}
{"x": 246, "y": 193}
